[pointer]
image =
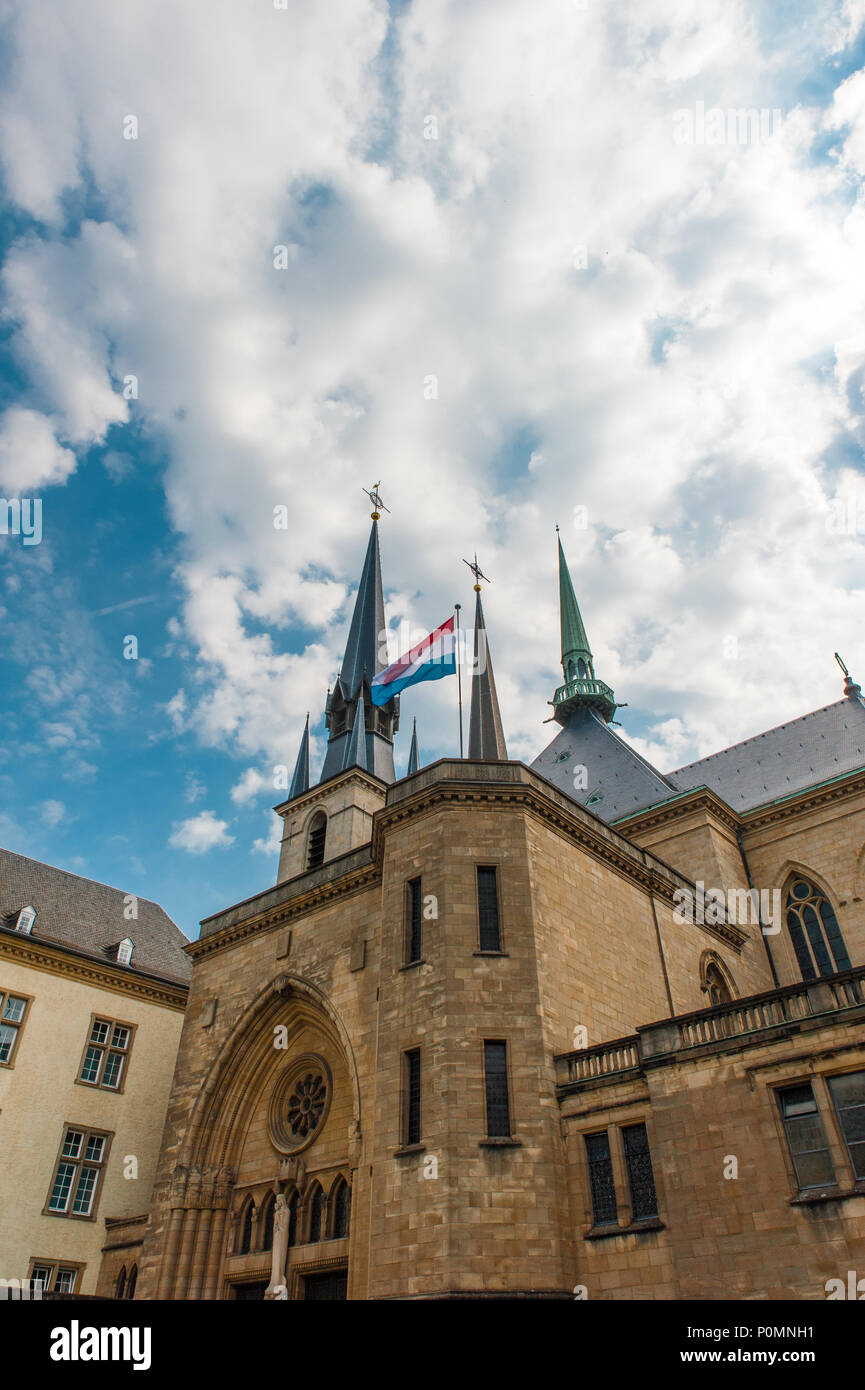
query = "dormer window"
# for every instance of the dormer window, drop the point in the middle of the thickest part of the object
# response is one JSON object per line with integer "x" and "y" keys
{"x": 26, "y": 918}
{"x": 124, "y": 951}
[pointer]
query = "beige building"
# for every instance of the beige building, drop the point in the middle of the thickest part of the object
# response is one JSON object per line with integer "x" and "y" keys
{"x": 510, "y": 1031}
{"x": 93, "y": 984}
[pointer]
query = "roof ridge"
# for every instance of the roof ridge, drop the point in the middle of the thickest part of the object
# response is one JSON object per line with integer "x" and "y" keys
{"x": 55, "y": 868}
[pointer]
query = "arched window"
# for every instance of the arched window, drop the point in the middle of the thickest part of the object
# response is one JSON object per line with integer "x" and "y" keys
{"x": 267, "y": 1222}
{"x": 814, "y": 931}
{"x": 133, "y": 1280}
{"x": 581, "y": 669}
{"x": 244, "y": 1240}
{"x": 316, "y": 839}
{"x": 572, "y": 671}
{"x": 293, "y": 1206}
{"x": 120, "y": 1286}
{"x": 339, "y": 1201}
{"x": 316, "y": 1211}
{"x": 718, "y": 989}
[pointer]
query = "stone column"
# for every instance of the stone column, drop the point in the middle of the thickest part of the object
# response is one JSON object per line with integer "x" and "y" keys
{"x": 176, "y": 1203}
{"x": 221, "y": 1203}
{"x": 187, "y": 1239}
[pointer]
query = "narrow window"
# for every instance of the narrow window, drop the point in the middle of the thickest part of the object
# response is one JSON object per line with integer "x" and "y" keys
{"x": 340, "y": 1210}
{"x": 12, "y": 1014}
{"x": 717, "y": 987}
{"x": 316, "y": 841}
{"x": 246, "y": 1217}
{"x": 641, "y": 1179}
{"x": 105, "y": 1054}
{"x": 316, "y": 1211}
{"x": 293, "y": 1205}
{"x": 120, "y": 1285}
{"x": 848, "y": 1097}
{"x": 78, "y": 1172}
{"x": 488, "y": 910}
{"x": 133, "y": 1280}
{"x": 601, "y": 1182}
{"x": 414, "y": 929}
{"x": 411, "y": 1121}
{"x": 814, "y": 931}
{"x": 806, "y": 1137}
{"x": 267, "y": 1228}
{"x": 496, "y": 1084}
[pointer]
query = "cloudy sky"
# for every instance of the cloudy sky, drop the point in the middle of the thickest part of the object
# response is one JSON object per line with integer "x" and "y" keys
{"x": 518, "y": 262}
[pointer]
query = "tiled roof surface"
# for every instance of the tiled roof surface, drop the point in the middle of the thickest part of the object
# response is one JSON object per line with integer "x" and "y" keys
{"x": 88, "y": 916}
{"x": 619, "y": 781}
{"x": 815, "y": 748}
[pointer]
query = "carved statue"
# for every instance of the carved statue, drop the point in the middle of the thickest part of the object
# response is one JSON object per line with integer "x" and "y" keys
{"x": 276, "y": 1289}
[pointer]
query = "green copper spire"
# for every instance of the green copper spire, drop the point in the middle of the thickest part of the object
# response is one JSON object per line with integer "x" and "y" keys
{"x": 581, "y": 687}
{"x": 575, "y": 643}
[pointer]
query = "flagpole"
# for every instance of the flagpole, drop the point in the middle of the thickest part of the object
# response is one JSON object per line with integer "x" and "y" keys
{"x": 457, "y": 607}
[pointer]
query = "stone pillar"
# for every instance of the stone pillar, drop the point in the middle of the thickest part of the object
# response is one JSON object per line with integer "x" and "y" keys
{"x": 176, "y": 1202}
{"x": 221, "y": 1203}
{"x": 187, "y": 1239}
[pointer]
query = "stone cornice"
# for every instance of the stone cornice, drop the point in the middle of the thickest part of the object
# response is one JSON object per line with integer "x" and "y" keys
{"x": 800, "y": 803}
{"x": 55, "y": 959}
{"x": 700, "y": 799}
{"x": 282, "y": 913}
{"x": 324, "y": 790}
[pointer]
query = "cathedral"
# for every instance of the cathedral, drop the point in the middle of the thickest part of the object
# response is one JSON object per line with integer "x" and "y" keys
{"x": 580, "y": 1029}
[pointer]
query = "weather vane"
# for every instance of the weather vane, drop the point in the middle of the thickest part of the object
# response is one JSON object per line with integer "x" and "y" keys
{"x": 477, "y": 572}
{"x": 375, "y": 498}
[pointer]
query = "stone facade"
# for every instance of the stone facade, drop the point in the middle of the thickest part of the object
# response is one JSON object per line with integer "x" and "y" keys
{"x": 309, "y": 995}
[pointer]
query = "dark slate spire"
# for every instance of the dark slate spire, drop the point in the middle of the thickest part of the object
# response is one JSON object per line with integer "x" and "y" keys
{"x": 300, "y": 780}
{"x": 355, "y": 749}
{"x": 367, "y": 623}
{"x": 368, "y": 744}
{"x": 486, "y": 736}
{"x": 413, "y": 753}
{"x": 581, "y": 688}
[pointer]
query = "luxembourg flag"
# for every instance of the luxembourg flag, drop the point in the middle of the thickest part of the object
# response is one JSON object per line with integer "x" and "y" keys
{"x": 433, "y": 657}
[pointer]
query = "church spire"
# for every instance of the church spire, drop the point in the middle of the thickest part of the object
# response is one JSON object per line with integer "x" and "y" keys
{"x": 581, "y": 685}
{"x": 486, "y": 735}
{"x": 368, "y": 745}
{"x": 413, "y": 753}
{"x": 300, "y": 780}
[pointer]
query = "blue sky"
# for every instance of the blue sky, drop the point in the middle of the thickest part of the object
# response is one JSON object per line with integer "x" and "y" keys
{"x": 663, "y": 338}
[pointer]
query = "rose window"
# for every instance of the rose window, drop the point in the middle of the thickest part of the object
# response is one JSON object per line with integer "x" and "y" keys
{"x": 306, "y": 1104}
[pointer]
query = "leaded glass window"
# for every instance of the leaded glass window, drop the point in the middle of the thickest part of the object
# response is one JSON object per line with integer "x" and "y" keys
{"x": 489, "y": 931}
{"x": 316, "y": 1211}
{"x": 848, "y": 1097}
{"x": 814, "y": 931}
{"x": 641, "y": 1179}
{"x": 806, "y": 1137}
{"x": 601, "y": 1182}
{"x": 412, "y": 1097}
{"x": 414, "y": 934}
{"x": 496, "y": 1083}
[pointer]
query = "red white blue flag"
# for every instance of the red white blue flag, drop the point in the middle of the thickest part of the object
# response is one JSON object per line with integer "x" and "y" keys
{"x": 433, "y": 657}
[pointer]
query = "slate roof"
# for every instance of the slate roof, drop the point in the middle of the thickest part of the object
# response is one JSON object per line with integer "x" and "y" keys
{"x": 812, "y": 749}
{"x": 88, "y": 917}
{"x": 619, "y": 780}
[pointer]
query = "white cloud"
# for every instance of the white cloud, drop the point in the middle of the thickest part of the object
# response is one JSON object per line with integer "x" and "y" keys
{"x": 200, "y": 833}
{"x": 30, "y": 457}
{"x": 52, "y": 813}
{"x": 270, "y": 844}
{"x": 251, "y": 783}
{"x": 697, "y": 387}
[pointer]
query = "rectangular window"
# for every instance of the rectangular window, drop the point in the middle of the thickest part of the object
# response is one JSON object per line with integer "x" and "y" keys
{"x": 414, "y": 926}
{"x": 75, "y": 1186}
{"x": 848, "y": 1097}
{"x": 641, "y": 1179}
{"x": 55, "y": 1278}
{"x": 488, "y": 911}
{"x": 411, "y": 1121}
{"x": 105, "y": 1054}
{"x": 806, "y": 1137}
{"x": 601, "y": 1181}
{"x": 13, "y": 1011}
{"x": 496, "y": 1084}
